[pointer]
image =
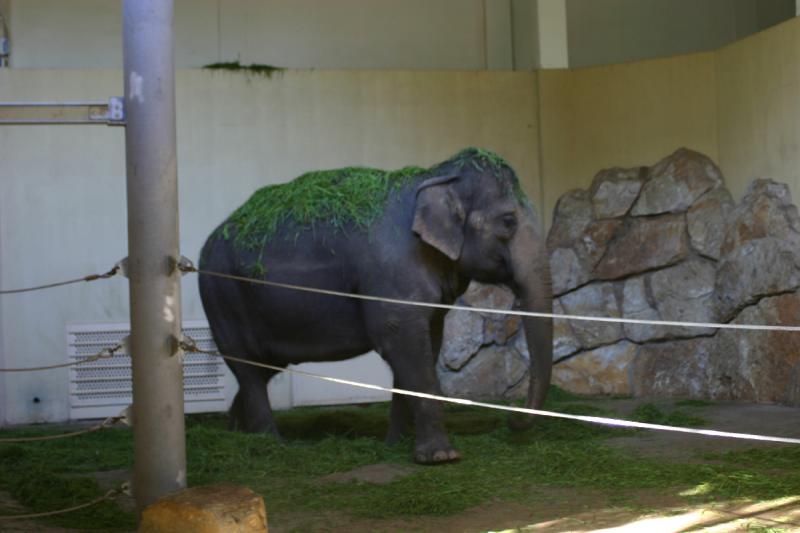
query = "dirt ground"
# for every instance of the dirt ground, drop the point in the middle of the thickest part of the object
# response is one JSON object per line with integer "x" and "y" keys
{"x": 567, "y": 510}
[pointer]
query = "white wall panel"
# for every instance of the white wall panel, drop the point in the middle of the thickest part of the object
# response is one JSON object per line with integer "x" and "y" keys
{"x": 62, "y": 188}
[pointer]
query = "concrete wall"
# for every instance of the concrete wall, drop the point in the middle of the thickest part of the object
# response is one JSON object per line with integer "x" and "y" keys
{"x": 623, "y": 115}
{"x": 390, "y": 34}
{"x": 360, "y": 34}
{"x": 613, "y": 31}
{"x": 62, "y": 188}
{"x": 757, "y": 87}
{"x": 737, "y": 104}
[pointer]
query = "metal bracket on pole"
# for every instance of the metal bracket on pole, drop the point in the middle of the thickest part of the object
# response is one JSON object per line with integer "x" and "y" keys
{"x": 185, "y": 265}
{"x": 123, "y": 267}
{"x": 111, "y": 113}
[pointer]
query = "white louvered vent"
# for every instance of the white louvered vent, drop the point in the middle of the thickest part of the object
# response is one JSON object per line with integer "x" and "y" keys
{"x": 103, "y": 388}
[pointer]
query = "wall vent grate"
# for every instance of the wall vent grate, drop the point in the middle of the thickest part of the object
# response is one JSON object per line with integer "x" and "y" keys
{"x": 103, "y": 388}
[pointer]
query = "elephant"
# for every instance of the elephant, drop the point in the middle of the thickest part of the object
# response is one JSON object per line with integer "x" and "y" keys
{"x": 416, "y": 234}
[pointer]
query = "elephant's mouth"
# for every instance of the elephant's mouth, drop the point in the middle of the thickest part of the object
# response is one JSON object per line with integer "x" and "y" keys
{"x": 498, "y": 269}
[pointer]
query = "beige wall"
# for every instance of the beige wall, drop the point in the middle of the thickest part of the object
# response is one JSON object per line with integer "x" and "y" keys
{"x": 622, "y": 115}
{"x": 62, "y": 188}
{"x": 739, "y": 105}
{"x": 758, "y": 102}
{"x": 613, "y": 31}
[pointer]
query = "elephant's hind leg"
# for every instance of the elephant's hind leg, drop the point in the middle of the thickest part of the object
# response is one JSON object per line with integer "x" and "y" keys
{"x": 251, "y": 411}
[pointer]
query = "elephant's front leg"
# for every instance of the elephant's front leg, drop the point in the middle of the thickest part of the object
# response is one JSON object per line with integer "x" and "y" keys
{"x": 399, "y": 418}
{"x": 408, "y": 350}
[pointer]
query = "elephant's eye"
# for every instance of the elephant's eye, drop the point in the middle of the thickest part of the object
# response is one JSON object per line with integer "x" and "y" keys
{"x": 509, "y": 222}
{"x": 508, "y": 226}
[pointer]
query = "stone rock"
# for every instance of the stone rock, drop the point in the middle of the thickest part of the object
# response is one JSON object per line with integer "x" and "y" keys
{"x": 594, "y": 241}
{"x": 676, "y": 182}
{"x": 463, "y": 337}
{"x": 566, "y": 270}
{"x": 636, "y": 305}
{"x": 573, "y": 213}
{"x": 706, "y": 222}
{"x": 498, "y": 329}
{"x": 645, "y": 244}
{"x": 600, "y": 371}
{"x": 208, "y": 509}
{"x": 614, "y": 191}
{"x": 597, "y": 299}
{"x": 520, "y": 344}
{"x": 759, "y": 366}
{"x": 493, "y": 373}
{"x": 673, "y": 369}
{"x": 669, "y": 243}
{"x": 564, "y": 340}
{"x": 491, "y": 296}
{"x": 765, "y": 211}
{"x": 756, "y": 269}
{"x": 685, "y": 293}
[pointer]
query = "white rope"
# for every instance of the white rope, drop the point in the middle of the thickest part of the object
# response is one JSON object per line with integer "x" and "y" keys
{"x": 751, "y": 327}
{"x": 190, "y": 346}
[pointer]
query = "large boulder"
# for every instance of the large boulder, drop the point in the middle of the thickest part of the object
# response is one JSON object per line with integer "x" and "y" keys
{"x": 602, "y": 370}
{"x": 676, "y": 182}
{"x": 645, "y": 244}
{"x": 597, "y": 299}
{"x": 759, "y": 366}
{"x": 706, "y": 221}
{"x": 673, "y": 369}
{"x": 668, "y": 243}
{"x": 761, "y": 249}
{"x": 664, "y": 243}
{"x": 483, "y": 355}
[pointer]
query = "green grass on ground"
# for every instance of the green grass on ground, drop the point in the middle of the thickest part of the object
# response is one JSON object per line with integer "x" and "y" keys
{"x": 497, "y": 464}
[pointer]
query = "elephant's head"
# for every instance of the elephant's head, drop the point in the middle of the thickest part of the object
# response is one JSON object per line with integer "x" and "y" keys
{"x": 473, "y": 210}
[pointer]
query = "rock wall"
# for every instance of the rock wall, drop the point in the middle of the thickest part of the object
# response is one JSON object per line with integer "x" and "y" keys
{"x": 665, "y": 243}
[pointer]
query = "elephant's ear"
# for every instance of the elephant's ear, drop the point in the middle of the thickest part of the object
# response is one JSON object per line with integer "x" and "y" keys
{"x": 439, "y": 216}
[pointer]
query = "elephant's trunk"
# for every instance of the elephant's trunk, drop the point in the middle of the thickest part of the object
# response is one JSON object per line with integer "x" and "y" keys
{"x": 532, "y": 285}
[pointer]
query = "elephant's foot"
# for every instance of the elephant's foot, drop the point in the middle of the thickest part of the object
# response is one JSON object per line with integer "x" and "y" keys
{"x": 394, "y": 437}
{"x": 397, "y": 432}
{"x": 254, "y": 426}
{"x": 435, "y": 451}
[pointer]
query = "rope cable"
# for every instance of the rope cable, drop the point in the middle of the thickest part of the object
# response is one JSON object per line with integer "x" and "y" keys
{"x": 534, "y": 314}
{"x": 108, "y": 422}
{"x": 105, "y": 353}
{"x": 108, "y": 496}
{"x": 91, "y": 277}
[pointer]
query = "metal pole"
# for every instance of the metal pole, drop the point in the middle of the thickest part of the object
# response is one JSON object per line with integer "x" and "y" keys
{"x": 153, "y": 249}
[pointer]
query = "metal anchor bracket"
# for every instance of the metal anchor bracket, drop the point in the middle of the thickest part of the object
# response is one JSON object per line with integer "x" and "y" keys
{"x": 111, "y": 112}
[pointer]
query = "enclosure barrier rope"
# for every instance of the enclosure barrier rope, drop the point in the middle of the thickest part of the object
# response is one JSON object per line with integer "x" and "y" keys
{"x": 107, "y": 423}
{"x": 91, "y": 277}
{"x": 188, "y": 267}
{"x": 108, "y": 496}
{"x": 105, "y": 353}
{"x": 189, "y": 345}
